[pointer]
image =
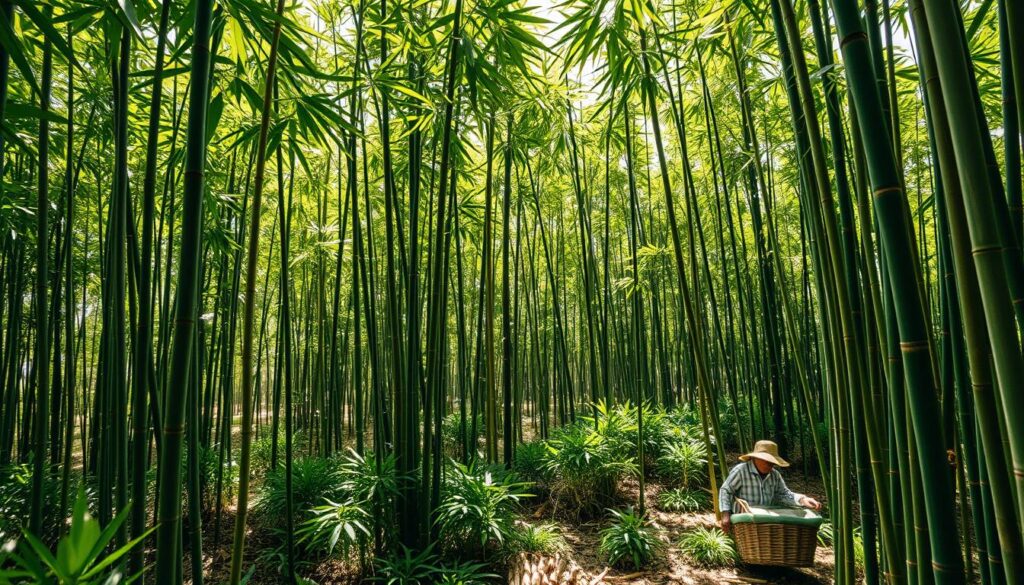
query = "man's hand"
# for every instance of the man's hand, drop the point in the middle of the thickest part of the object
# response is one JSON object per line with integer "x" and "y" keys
{"x": 726, "y": 523}
{"x": 810, "y": 503}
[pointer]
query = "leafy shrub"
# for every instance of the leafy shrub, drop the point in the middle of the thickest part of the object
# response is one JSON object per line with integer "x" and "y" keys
{"x": 684, "y": 500}
{"x": 541, "y": 538}
{"x": 660, "y": 431}
{"x": 686, "y": 418}
{"x": 315, "y": 480}
{"x": 585, "y": 468}
{"x": 333, "y": 523}
{"x": 408, "y": 568}
{"x": 452, "y": 433}
{"x": 466, "y": 574}
{"x": 476, "y": 510}
{"x": 684, "y": 464}
{"x": 708, "y": 547}
{"x": 424, "y": 568}
{"x": 262, "y": 450}
{"x": 263, "y": 447}
{"x": 826, "y": 534}
{"x": 15, "y": 496}
{"x": 729, "y": 418}
{"x": 530, "y": 462}
{"x": 859, "y": 554}
{"x": 617, "y": 427}
{"x": 362, "y": 481}
{"x": 78, "y": 560}
{"x": 826, "y": 538}
{"x": 276, "y": 557}
{"x": 629, "y": 540}
{"x": 209, "y": 461}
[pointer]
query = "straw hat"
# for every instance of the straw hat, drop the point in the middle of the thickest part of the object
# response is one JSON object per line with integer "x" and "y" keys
{"x": 766, "y": 451}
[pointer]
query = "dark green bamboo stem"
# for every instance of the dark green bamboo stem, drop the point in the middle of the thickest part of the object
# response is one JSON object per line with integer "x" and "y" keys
{"x": 169, "y": 511}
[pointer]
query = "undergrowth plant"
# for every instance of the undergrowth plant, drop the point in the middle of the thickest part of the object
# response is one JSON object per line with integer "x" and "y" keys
{"x": 544, "y": 538}
{"x": 630, "y": 540}
{"x": 452, "y": 434}
{"x": 425, "y": 568}
{"x": 315, "y": 480}
{"x": 81, "y": 558}
{"x": 530, "y": 463}
{"x": 708, "y": 547}
{"x": 335, "y": 523}
{"x": 684, "y": 500}
{"x": 477, "y": 510}
{"x": 211, "y": 464}
{"x": 684, "y": 464}
{"x": 15, "y": 493}
{"x": 616, "y": 425}
{"x": 466, "y": 573}
{"x": 407, "y": 567}
{"x": 363, "y": 480}
{"x": 585, "y": 467}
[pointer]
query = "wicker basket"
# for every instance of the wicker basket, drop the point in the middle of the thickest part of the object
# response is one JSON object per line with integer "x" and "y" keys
{"x": 776, "y": 536}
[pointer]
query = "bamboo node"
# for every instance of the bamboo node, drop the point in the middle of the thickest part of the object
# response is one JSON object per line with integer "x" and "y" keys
{"x": 911, "y": 346}
{"x": 982, "y": 250}
{"x": 850, "y": 38}
{"x": 885, "y": 190}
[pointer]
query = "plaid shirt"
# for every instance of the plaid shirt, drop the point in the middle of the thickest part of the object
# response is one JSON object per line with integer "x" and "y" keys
{"x": 744, "y": 481}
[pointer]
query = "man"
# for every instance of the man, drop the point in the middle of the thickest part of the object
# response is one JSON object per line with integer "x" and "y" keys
{"x": 758, "y": 482}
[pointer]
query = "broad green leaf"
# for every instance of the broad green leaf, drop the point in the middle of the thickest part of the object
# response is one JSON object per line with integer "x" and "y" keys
{"x": 13, "y": 47}
{"x": 126, "y": 9}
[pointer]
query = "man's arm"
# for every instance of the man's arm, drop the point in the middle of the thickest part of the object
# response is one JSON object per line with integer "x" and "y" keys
{"x": 787, "y": 497}
{"x": 783, "y": 495}
{"x": 727, "y": 492}
{"x": 726, "y": 495}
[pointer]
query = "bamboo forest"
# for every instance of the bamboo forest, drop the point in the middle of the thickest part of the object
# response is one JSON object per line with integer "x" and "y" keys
{"x": 586, "y": 292}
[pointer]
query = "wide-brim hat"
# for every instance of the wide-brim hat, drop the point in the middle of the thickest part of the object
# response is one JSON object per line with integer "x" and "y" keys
{"x": 766, "y": 451}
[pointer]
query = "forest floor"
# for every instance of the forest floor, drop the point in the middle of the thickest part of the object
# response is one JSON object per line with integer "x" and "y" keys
{"x": 583, "y": 538}
{"x": 672, "y": 568}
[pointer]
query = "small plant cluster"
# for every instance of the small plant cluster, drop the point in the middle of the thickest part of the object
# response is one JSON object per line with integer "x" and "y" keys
{"x": 826, "y": 538}
{"x": 332, "y": 501}
{"x": 684, "y": 464}
{"x": 684, "y": 500}
{"x": 708, "y": 547}
{"x": 583, "y": 464}
{"x": 81, "y": 558}
{"x": 584, "y": 467}
{"x": 543, "y": 538}
{"x": 215, "y": 468}
{"x": 454, "y": 434}
{"x": 16, "y": 492}
{"x": 477, "y": 511}
{"x": 263, "y": 452}
{"x": 477, "y": 524}
{"x": 426, "y": 568}
{"x": 630, "y": 540}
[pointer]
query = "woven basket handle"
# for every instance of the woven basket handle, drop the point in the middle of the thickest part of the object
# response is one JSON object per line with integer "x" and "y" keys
{"x": 741, "y": 505}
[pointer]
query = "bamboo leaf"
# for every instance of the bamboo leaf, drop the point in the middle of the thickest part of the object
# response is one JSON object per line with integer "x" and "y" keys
{"x": 126, "y": 10}
{"x": 14, "y": 50}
